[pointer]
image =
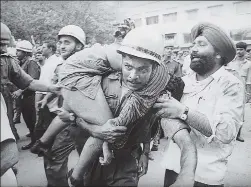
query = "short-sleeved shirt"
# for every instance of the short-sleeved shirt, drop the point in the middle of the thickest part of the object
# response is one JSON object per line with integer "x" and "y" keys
{"x": 243, "y": 68}
{"x": 12, "y": 72}
{"x": 31, "y": 68}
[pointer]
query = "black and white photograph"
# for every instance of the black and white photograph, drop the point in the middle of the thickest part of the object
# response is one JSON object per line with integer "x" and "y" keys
{"x": 125, "y": 93}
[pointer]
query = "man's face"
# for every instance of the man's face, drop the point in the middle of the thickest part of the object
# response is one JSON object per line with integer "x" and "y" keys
{"x": 202, "y": 56}
{"x": 39, "y": 57}
{"x": 67, "y": 46}
{"x": 248, "y": 54}
{"x": 45, "y": 50}
{"x": 168, "y": 51}
{"x": 240, "y": 52}
{"x": 136, "y": 72}
{"x": 20, "y": 54}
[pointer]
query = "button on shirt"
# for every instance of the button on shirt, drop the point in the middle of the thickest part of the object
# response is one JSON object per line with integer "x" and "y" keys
{"x": 220, "y": 99}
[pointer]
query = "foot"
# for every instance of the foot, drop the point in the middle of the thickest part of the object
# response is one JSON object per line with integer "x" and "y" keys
{"x": 28, "y": 135}
{"x": 240, "y": 139}
{"x": 40, "y": 149}
{"x": 25, "y": 147}
{"x": 74, "y": 182}
{"x": 154, "y": 148}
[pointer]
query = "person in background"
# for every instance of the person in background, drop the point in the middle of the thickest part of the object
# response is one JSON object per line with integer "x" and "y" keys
{"x": 39, "y": 58}
{"x": 241, "y": 67}
{"x": 211, "y": 105}
{"x": 24, "y": 53}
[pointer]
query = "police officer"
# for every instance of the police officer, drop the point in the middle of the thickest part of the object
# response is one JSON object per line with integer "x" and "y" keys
{"x": 12, "y": 72}
{"x": 24, "y": 53}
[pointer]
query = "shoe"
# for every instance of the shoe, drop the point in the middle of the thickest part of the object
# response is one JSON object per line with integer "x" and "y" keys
{"x": 154, "y": 148}
{"x": 240, "y": 139}
{"x": 28, "y": 135}
{"x": 25, "y": 147}
{"x": 40, "y": 149}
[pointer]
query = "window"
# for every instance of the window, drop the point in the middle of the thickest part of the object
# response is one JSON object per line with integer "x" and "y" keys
{"x": 243, "y": 7}
{"x": 152, "y": 20}
{"x": 172, "y": 17}
{"x": 138, "y": 22}
{"x": 215, "y": 10}
{"x": 187, "y": 38}
{"x": 169, "y": 38}
{"x": 192, "y": 14}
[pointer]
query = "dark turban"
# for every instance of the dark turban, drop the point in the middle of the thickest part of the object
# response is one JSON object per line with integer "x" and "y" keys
{"x": 217, "y": 37}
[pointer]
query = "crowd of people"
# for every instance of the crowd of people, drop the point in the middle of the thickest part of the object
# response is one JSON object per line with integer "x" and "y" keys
{"x": 109, "y": 102}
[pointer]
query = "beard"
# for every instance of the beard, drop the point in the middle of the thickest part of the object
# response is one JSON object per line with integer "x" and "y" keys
{"x": 202, "y": 64}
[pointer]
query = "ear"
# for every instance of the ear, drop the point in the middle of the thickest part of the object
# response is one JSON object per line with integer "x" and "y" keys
{"x": 79, "y": 46}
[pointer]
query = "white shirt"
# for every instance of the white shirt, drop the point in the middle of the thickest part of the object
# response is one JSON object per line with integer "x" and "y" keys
{"x": 220, "y": 99}
{"x": 46, "y": 76}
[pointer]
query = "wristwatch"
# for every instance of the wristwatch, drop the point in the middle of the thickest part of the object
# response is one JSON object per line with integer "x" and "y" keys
{"x": 183, "y": 116}
{"x": 72, "y": 117}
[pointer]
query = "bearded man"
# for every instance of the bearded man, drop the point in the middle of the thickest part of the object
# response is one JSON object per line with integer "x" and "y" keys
{"x": 213, "y": 106}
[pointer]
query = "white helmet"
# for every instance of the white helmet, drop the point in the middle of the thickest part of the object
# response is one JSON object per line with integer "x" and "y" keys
{"x": 24, "y": 45}
{"x": 143, "y": 43}
{"x": 74, "y": 31}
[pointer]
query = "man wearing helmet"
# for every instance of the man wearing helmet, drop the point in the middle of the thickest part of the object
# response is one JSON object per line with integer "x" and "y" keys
{"x": 149, "y": 76}
{"x": 12, "y": 72}
{"x": 24, "y": 54}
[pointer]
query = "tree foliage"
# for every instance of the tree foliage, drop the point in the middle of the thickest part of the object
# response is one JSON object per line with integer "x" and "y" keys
{"x": 44, "y": 19}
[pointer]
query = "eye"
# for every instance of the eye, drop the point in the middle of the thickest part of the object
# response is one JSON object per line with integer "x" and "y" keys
{"x": 128, "y": 67}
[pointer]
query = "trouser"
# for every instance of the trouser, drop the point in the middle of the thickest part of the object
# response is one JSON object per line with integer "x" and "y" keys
{"x": 9, "y": 104}
{"x": 44, "y": 119}
{"x": 122, "y": 171}
{"x": 171, "y": 176}
{"x": 29, "y": 113}
{"x": 17, "y": 110}
{"x": 56, "y": 169}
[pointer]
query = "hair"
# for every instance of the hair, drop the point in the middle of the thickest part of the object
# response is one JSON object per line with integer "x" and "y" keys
{"x": 242, "y": 45}
{"x": 52, "y": 45}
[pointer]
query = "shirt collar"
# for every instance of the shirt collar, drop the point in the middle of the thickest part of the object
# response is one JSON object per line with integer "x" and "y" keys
{"x": 216, "y": 75}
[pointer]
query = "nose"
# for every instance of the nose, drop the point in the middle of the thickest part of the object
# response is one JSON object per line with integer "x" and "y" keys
{"x": 194, "y": 48}
{"x": 133, "y": 75}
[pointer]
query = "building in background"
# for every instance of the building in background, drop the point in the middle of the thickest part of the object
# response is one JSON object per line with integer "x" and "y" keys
{"x": 176, "y": 18}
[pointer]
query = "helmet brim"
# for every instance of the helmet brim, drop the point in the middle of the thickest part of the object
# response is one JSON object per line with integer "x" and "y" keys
{"x": 134, "y": 52}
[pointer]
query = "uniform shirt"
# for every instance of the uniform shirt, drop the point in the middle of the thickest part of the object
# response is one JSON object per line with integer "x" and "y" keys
{"x": 220, "y": 99}
{"x": 174, "y": 67}
{"x": 243, "y": 68}
{"x": 12, "y": 72}
{"x": 31, "y": 68}
{"x": 112, "y": 88}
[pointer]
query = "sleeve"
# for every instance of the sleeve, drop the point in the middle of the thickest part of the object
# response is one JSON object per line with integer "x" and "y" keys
{"x": 249, "y": 74}
{"x": 34, "y": 70}
{"x": 18, "y": 76}
{"x": 228, "y": 115}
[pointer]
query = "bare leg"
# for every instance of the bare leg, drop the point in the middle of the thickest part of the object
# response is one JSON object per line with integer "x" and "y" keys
{"x": 56, "y": 126}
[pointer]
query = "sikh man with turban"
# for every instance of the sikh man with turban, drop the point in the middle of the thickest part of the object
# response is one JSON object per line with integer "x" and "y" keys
{"x": 211, "y": 105}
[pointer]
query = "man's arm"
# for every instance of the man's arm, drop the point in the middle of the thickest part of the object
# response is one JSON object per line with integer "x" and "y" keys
{"x": 144, "y": 158}
{"x": 188, "y": 160}
{"x": 107, "y": 132}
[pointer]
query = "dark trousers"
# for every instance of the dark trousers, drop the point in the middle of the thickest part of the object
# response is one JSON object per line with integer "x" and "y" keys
{"x": 122, "y": 171}
{"x": 66, "y": 141}
{"x": 44, "y": 119}
{"x": 17, "y": 110}
{"x": 171, "y": 176}
{"x": 29, "y": 113}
